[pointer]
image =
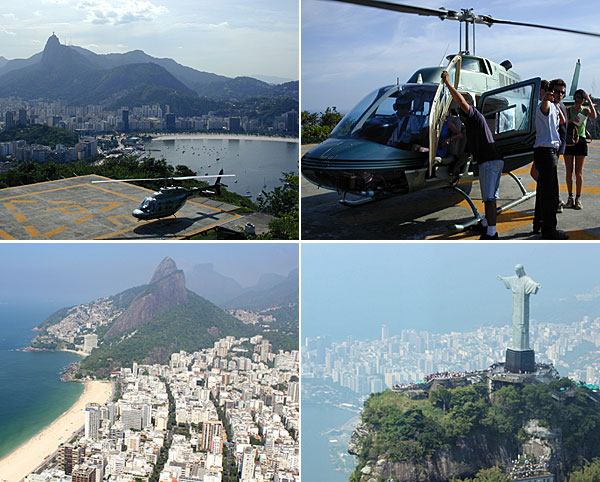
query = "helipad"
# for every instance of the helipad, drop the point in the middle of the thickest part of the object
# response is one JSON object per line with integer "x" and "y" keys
{"x": 76, "y": 209}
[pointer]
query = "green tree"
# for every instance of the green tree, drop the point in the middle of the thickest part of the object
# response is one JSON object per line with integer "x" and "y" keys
{"x": 590, "y": 472}
{"x": 316, "y": 127}
{"x": 494, "y": 474}
{"x": 284, "y": 203}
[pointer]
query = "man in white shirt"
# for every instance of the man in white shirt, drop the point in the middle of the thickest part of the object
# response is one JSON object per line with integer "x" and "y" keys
{"x": 545, "y": 158}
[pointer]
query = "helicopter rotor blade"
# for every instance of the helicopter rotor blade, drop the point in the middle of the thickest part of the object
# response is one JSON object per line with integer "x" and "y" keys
{"x": 463, "y": 16}
{"x": 397, "y": 7}
{"x": 486, "y": 19}
{"x": 181, "y": 178}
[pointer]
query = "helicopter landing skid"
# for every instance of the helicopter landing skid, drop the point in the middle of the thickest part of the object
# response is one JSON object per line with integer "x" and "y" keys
{"x": 525, "y": 195}
{"x": 356, "y": 202}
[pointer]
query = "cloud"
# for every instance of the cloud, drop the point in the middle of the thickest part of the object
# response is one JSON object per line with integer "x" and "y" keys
{"x": 6, "y": 31}
{"x": 118, "y": 12}
{"x": 595, "y": 293}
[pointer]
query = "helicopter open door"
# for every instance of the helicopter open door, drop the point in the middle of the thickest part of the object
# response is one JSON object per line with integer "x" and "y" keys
{"x": 510, "y": 114}
{"x": 439, "y": 109}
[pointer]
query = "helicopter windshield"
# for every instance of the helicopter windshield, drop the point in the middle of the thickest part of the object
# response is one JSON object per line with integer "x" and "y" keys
{"x": 147, "y": 204}
{"x": 397, "y": 116}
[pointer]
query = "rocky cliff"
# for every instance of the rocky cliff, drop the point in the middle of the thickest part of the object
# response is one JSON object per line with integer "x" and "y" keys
{"x": 455, "y": 429}
{"x": 462, "y": 460}
{"x": 165, "y": 290}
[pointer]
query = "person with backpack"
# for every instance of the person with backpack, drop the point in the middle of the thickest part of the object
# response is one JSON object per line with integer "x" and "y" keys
{"x": 577, "y": 149}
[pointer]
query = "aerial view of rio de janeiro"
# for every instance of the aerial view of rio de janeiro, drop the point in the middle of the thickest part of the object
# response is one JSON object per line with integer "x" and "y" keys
{"x": 189, "y": 109}
{"x": 453, "y": 362}
{"x": 149, "y": 362}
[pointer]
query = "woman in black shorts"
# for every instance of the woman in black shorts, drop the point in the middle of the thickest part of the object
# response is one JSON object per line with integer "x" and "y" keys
{"x": 578, "y": 115}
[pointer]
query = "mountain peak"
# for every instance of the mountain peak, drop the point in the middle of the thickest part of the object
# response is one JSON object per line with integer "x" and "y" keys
{"x": 52, "y": 46}
{"x": 166, "y": 267}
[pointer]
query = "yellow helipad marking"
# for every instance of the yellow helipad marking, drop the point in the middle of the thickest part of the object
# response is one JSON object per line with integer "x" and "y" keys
{"x": 114, "y": 219}
{"x": 49, "y": 234}
{"x": 5, "y": 235}
{"x": 11, "y": 206}
{"x": 118, "y": 193}
{"x": 19, "y": 217}
{"x": 84, "y": 218}
{"x": 58, "y": 202}
{"x": 32, "y": 231}
{"x": 111, "y": 205}
{"x": 69, "y": 210}
{"x": 40, "y": 192}
{"x": 580, "y": 234}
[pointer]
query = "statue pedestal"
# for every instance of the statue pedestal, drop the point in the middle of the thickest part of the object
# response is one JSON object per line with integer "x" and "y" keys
{"x": 522, "y": 361}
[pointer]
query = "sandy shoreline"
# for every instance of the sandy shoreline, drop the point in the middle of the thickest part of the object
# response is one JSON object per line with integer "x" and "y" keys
{"x": 21, "y": 461}
{"x": 171, "y": 137}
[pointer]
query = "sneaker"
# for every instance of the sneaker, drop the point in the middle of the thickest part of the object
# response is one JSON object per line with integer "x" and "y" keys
{"x": 570, "y": 204}
{"x": 559, "y": 209}
{"x": 557, "y": 234}
{"x": 488, "y": 237}
{"x": 537, "y": 227}
{"x": 578, "y": 204}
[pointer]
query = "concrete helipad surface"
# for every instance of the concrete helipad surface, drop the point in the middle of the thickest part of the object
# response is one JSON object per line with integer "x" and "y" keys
{"x": 76, "y": 209}
{"x": 430, "y": 214}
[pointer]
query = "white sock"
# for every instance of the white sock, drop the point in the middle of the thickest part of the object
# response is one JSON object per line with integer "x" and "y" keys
{"x": 484, "y": 222}
{"x": 491, "y": 230}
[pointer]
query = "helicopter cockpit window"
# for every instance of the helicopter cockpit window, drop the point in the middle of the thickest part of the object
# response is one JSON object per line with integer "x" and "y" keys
{"x": 508, "y": 112}
{"x": 147, "y": 204}
{"x": 349, "y": 121}
{"x": 398, "y": 117}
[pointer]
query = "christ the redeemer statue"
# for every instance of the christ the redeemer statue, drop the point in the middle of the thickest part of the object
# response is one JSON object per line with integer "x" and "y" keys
{"x": 521, "y": 286}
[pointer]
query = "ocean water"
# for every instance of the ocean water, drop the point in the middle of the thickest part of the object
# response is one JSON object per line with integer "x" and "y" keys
{"x": 32, "y": 395}
{"x": 257, "y": 164}
{"x": 317, "y": 419}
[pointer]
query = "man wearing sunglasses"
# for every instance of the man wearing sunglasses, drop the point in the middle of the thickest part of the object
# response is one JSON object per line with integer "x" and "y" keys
{"x": 548, "y": 118}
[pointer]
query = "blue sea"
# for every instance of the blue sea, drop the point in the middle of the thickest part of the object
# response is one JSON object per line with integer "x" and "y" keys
{"x": 257, "y": 164}
{"x": 32, "y": 395}
{"x": 317, "y": 419}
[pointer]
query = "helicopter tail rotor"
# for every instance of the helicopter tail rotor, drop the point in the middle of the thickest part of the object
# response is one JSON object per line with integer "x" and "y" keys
{"x": 218, "y": 183}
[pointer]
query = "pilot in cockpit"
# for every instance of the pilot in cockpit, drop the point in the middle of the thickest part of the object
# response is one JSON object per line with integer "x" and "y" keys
{"x": 409, "y": 128}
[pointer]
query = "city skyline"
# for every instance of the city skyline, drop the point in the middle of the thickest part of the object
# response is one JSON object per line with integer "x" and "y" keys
{"x": 230, "y": 38}
{"x": 368, "y": 48}
{"x": 350, "y": 289}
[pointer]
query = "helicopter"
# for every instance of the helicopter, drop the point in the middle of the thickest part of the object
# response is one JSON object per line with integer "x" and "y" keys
{"x": 358, "y": 158}
{"x": 170, "y": 199}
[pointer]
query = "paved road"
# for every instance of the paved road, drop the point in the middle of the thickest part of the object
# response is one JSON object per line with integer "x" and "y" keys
{"x": 429, "y": 214}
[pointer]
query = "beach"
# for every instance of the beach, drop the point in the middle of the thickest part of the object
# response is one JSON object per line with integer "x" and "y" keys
{"x": 242, "y": 137}
{"x": 26, "y": 458}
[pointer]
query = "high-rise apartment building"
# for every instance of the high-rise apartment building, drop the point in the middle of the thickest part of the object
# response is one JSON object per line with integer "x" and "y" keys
{"x": 247, "y": 468}
{"x": 92, "y": 421}
{"x": 84, "y": 473}
{"x": 68, "y": 457}
{"x": 210, "y": 429}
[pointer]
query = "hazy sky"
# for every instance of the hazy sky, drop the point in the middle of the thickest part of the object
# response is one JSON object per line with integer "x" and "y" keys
{"x": 73, "y": 273}
{"x": 349, "y": 50}
{"x": 352, "y": 288}
{"x": 227, "y": 37}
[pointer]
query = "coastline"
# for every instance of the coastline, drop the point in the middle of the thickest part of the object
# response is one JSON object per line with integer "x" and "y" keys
{"x": 28, "y": 456}
{"x": 242, "y": 137}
